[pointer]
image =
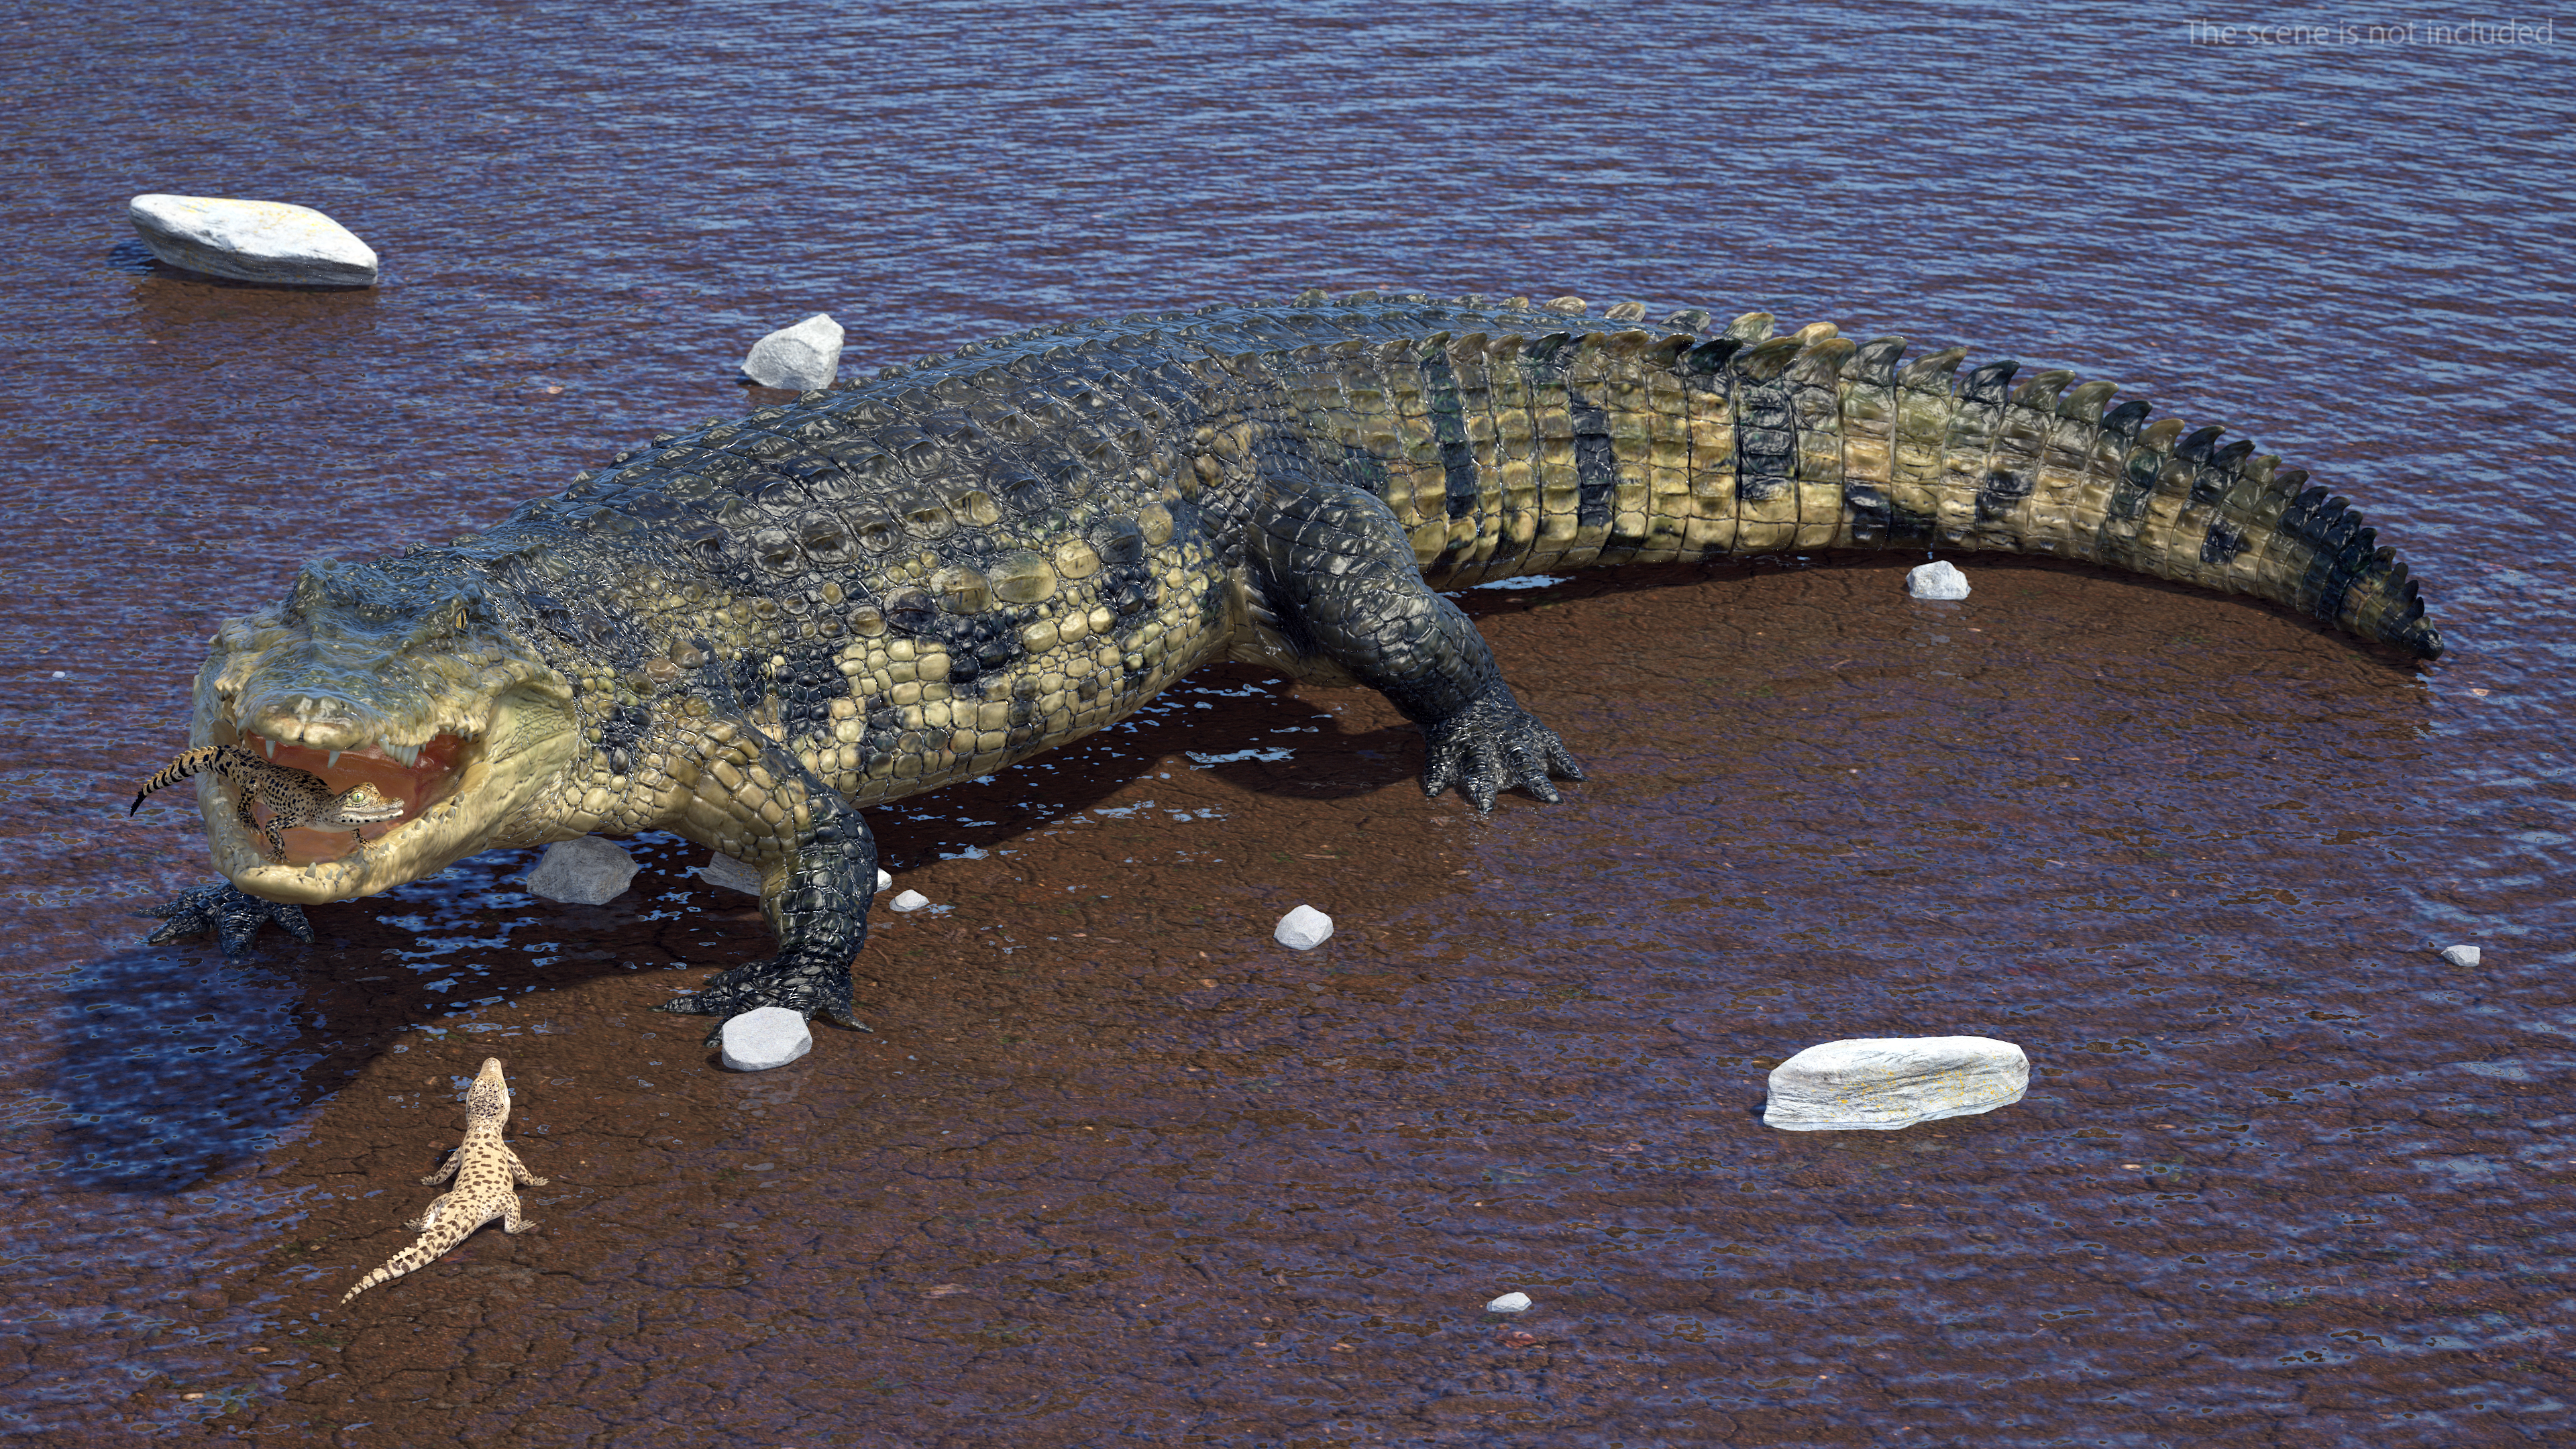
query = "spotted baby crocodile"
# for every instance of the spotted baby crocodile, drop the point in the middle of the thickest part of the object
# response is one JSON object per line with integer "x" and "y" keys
{"x": 293, "y": 797}
{"x": 745, "y": 631}
{"x": 487, "y": 1173}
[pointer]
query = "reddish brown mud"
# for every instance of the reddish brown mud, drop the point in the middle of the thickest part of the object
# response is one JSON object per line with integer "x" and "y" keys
{"x": 1113, "y": 1167}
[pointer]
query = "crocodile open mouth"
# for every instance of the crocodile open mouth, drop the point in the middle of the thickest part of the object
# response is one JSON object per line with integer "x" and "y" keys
{"x": 417, "y": 776}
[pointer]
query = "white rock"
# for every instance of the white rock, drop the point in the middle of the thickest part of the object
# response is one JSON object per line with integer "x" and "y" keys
{"x": 765, "y": 1037}
{"x": 1509, "y": 1303}
{"x": 2460, "y": 955}
{"x": 730, "y": 874}
{"x": 1936, "y": 581}
{"x": 1303, "y": 929}
{"x": 804, "y": 357}
{"x": 734, "y": 875}
{"x": 252, "y": 241}
{"x": 909, "y": 901}
{"x": 587, "y": 872}
{"x": 1884, "y": 1083}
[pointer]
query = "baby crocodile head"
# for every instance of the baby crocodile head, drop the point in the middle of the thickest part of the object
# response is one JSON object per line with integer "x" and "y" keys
{"x": 488, "y": 1100}
{"x": 361, "y": 804}
{"x": 398, "y": 678}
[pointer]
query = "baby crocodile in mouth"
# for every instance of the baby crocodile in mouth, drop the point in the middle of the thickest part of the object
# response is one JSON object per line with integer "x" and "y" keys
{"x": 293, "y": 797}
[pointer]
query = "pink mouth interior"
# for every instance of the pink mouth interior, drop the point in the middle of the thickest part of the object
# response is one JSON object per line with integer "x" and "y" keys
{"x": 417, "y": 786}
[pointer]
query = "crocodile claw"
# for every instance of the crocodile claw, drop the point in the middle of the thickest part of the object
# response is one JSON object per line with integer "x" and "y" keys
{"x": 233, "y": 914}
{"x": 808, "y": 988}
{"x": 1491, "y": 745}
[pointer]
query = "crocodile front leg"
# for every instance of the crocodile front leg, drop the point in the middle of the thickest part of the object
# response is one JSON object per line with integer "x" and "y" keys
{"x": 755, "y": 801}
{"x": 232, "y": 913}
{"x": 1336, "y": 574}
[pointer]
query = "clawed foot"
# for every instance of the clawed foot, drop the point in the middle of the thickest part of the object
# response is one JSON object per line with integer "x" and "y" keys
{"x": 809, "y": 988}
{"x": 1490, "y": 746}
{"x": 233, "y": 914}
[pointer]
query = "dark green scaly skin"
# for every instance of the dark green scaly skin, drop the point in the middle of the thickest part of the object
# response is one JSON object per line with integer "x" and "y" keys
{"x": 745, "y": 631}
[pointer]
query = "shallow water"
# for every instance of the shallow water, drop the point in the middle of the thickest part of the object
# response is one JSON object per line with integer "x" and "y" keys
{"x": 1112, "y": 1166}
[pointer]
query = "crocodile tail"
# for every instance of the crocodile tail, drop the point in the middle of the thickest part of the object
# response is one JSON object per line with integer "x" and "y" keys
{"x": 417, "y": 1255}
{"x": 1522, "y": 454}
{"x": 188, "y": 763}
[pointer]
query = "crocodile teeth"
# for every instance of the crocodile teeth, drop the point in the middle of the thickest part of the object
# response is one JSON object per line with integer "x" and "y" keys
{"x": 334, "y": 760}
{"x": 271, "y": 744}
{"x": 408, "y": 754}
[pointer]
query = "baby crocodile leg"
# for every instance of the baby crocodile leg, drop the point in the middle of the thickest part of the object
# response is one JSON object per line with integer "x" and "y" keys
{"x": 754, "y": 800}
{"x": 1336, "y": 572}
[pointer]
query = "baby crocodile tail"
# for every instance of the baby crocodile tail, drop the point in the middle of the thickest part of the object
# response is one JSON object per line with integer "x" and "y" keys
{"x": 190, "y": 762}
{"x": 1520, "y": 452}
{"x": 445, "y": 1232}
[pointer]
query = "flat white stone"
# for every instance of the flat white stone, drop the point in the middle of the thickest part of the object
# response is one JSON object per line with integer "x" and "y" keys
{"x": 764, "y": 1037}
{"x": 1303, "y": 929}
{"x": 1884, "y": 1083}
{"x": 1936, "y": 581}
{"x": 909, "y": 901}
{"x": 804, "y": 357}
{"x": 2460, "y": 955}
{"x": 1509, "y": 1303}
{"x": 587, "y": 872}
{"x": 734, "y": 875}
{"x": 252, "y": 241}
{"x": 727, "y": 873}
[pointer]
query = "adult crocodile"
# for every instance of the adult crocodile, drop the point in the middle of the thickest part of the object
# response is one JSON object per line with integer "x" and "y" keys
{"x": 746, "y": 631}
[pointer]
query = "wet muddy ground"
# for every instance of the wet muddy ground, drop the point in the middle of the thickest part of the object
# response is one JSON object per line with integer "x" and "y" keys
{"x": 1111, "y": 1166}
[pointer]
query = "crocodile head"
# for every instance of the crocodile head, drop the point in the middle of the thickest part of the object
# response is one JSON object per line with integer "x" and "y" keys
{"x": 393, "y": 676}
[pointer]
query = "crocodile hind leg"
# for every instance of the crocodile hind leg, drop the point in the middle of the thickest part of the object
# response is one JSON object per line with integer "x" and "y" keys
{"x": 1334, "y": 576}
{"x": 233, "y": 914}
{"x": 815, "y": 890}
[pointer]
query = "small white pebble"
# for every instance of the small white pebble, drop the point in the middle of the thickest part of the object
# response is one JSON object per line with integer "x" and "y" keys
{"x": 909, "y": 901}
{"x": 762, "y": 1038}
{"x": 1509, "y": 1303}
{"x": 1303, "y": 929}
{"x": 2460, "y": 955}
{"x": 1939, "y": 580}
{"x": 58, "y": 674}
{"x": 884, "y": 880}
{"x": 804, "y": 357}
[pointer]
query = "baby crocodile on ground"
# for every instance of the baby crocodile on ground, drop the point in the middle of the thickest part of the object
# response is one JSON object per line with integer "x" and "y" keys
{"x": 746, "y": 631}
{"x": 487, "y": 1173}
